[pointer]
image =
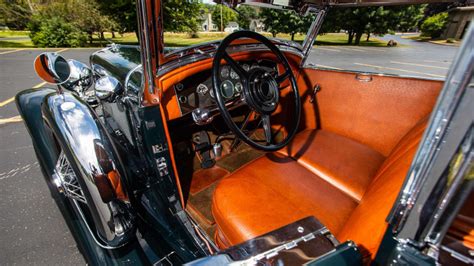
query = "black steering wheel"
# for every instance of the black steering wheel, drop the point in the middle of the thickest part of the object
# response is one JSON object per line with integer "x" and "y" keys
{"x": 260, "y": 91}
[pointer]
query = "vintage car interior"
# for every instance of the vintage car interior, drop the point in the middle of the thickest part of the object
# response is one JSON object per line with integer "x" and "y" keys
{"x": 343, "y": 164}
{"x": 239, "y": 150}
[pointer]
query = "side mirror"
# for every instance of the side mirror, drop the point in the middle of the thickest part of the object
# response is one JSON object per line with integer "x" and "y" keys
{"x": 52, "y": 68}
{"x": 108, "y": 88}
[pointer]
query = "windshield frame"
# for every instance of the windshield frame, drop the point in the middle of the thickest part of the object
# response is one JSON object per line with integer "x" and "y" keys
{"x": 211, "y": 47}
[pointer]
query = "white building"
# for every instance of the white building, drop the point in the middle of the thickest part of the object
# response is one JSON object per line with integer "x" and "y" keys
{"x": 231, "y": 27}
{"x": 208, "y": 24}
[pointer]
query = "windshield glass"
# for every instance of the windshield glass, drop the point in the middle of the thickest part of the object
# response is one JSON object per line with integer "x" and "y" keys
{"x": 189, "y": 23}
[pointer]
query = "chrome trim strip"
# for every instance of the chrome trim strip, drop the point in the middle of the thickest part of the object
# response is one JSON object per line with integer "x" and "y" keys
{"x": 312, "y": 66}
{"x": 145, "y": 45}
{"x": 127, "y": 79}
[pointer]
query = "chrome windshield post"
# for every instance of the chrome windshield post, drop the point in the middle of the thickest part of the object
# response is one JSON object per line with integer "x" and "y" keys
{"x": 312, "y": 32}
{"x": 150, "y": 27}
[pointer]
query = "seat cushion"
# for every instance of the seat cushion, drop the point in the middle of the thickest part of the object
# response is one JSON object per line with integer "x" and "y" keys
{"x": 274, "y": 191}
{"x": 345, "y": 163}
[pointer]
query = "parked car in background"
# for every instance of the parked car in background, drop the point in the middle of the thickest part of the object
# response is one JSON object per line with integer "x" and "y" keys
{"x": 238, "y": 152}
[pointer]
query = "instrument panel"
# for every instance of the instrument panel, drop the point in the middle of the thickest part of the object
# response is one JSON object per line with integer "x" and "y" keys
{"x": 196, "y": 91}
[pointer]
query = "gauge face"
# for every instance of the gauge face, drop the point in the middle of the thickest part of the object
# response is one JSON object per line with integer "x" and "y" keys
{"x": 202, "y": 89}
{"x": 225, "y": 72}
{"x": 238, "y": 87}
{"x": 246, "y": 67}
{"x": 179, "y": 87}
{"x": 233, "y": 75}
{"x": 227, "y": 89}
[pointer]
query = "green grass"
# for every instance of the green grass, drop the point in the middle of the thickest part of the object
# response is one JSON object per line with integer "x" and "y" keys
{"x": 16, "y": 44}
{"x": 13, "y": 33}
{"x": 184, "y": 39}
{"x": 420, "y": 38}
{"x": 341, "y": 39}
{"x": 417, "y": 38}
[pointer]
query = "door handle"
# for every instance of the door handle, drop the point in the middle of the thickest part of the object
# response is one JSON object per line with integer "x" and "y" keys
{"x": 364, "y": 77}
{"x": 316, "y": 88}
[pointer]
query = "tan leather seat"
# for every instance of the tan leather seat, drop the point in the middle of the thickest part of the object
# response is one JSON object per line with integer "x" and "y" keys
{"x": 345, "y": 163}
{"x": 346, "y": 185}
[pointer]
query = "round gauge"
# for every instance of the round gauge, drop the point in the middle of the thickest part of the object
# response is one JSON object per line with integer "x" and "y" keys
{"x": 238, "y": 87}
{"x": 254, "y": 65}
{"x": 225, "y": 72}
{"x": 246, "y": 67}
{"x": 227, "y": 89}
{"x": 202, "y": 89}
{"x": 233, "y": 75}
{"x": 179, "y": 87}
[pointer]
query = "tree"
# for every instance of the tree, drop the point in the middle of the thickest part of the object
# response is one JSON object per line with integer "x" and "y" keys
{"x": 271, "y": 20}
{"x": 434, "y": 25}
{"x": 182, "y": 16}
{"x": 56, "y": 32}
{"x": 122, "y": 12}
{"x": 222, "y": 15}
{"x": 287, "y": 21}
{"x": 372, "y": 20}
{"x": 15, "y": 14}
{"x": 409, "y": 17}
{"x": 83, "y": 16}
{"x": 88, "y": 17}
{"x": 245, "y": 16}
{"x": 291, "y": 23}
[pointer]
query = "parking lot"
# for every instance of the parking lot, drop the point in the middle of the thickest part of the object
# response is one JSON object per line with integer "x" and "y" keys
{"x": 31, "y": 226}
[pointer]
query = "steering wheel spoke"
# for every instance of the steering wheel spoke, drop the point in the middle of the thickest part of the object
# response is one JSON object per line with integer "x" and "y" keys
{"x": 267, "y": 128}
{"x": 281, "y": 78}
{"x": 235, "y": 66}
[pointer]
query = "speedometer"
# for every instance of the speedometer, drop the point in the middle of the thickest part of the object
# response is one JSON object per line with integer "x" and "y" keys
{"x": 227, "y": 89}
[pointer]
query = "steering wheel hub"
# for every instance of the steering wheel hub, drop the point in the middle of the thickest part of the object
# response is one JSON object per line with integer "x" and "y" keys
{"x": 263, "y": 94}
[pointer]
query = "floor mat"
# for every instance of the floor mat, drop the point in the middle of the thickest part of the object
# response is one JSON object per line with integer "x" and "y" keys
{"x": 234, "y": 161}
{"x": 201, "y": 202}
{"x": 203, "y": 178}
{"x": 204, "y": 182}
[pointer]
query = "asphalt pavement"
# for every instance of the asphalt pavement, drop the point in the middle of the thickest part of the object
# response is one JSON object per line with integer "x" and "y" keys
{"x": 31, "y": 227}
{"x": 409, "y": 58}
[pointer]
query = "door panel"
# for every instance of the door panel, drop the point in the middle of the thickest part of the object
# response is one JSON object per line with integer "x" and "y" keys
{"x": 374, "y": 110}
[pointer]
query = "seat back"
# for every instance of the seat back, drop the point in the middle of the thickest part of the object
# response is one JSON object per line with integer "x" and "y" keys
{"x": 366, "y": 225}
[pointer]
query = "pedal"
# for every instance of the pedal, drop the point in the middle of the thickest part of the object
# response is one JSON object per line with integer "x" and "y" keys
{"x": 203, "y": 146}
